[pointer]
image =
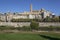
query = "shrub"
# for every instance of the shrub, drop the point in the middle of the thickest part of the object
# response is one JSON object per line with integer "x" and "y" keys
{"x": 7, "y": 28}
{"x": 34, "y": 25}
{"x": 19, "y": 28}
{"x": 20, "y": 20}
{"x": 26, "y": 28}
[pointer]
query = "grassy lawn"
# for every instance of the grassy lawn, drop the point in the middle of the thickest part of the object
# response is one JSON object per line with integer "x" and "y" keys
{"x": 30, "y": 36}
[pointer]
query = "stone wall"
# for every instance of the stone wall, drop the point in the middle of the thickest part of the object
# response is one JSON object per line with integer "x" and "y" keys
{"x": 44, "y": 24}
{"x": 15, "y": 24}
{"x": 20, "y": 24}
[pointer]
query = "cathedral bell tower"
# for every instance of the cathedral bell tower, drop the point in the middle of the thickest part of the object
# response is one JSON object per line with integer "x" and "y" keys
{"x": 30, "y": 7}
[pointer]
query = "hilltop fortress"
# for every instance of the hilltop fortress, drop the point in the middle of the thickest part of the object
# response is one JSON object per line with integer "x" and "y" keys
{"x": 33, "y": 14}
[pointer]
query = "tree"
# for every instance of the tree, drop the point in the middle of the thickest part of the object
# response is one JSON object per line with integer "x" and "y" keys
{"x": 34, "y": 25}
{"x": 47, "y": 19}
{"x": 55, "y": 19}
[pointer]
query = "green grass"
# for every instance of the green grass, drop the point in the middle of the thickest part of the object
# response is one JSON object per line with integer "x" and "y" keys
{"x": 28, "y": 36}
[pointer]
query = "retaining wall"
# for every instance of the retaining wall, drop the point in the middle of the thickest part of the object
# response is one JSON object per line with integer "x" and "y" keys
{"x": 20, "y": 24}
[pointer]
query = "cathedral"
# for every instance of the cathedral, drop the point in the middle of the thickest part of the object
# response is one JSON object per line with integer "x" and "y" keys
{"x": 32, "y": 14}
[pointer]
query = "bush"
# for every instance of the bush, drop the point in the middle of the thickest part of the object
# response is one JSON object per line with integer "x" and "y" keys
{"x": 3, "y": 28}
{"x": 43, "y": 28}
{"x": 20, "y": 20}
{"x": 26, "y": 28}
{"x": 34, "y": 25}
{"x": 19, "y": 28}
{"x": 7, "y": 28}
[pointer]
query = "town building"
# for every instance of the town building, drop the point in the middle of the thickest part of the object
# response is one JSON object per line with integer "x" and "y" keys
{"x": 33, "y": 14}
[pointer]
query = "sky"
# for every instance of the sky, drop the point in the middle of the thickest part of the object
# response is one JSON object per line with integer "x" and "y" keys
{"x": 24, "y": 5}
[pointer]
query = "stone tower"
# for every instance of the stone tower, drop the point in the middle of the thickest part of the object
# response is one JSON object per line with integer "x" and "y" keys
{"x": 30, "y": 7}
